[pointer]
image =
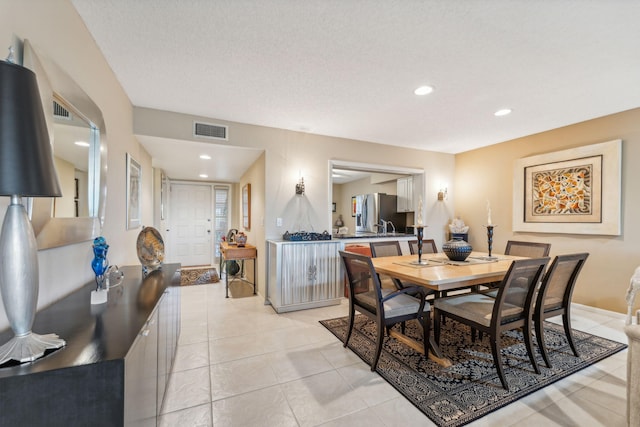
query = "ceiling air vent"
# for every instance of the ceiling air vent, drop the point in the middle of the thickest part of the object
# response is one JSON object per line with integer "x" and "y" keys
{"x": 59, "y": 112}
{"x": 208, "y": 130}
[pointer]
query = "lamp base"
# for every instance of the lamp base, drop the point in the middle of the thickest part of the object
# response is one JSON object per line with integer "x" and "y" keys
{"x": 27, "y": 348}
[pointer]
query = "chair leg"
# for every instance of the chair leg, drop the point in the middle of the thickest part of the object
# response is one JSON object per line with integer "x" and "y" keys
{"x": 566, "y": 321}
{"x": 436, "y": 326}
{"x": 426, "y": 332}
{"x": 351, "y": 322}
{"x": 529, "y": 344}
{"x": 380, "y": 340}
{"x": 497, "y": 360}
{"x": 541, "y": 343}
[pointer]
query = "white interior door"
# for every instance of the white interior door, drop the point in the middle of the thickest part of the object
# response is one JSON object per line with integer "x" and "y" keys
{"x": 190, "y": 226}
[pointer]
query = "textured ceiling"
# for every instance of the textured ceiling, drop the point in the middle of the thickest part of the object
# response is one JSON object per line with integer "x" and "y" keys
{"x": 348, "y": 68}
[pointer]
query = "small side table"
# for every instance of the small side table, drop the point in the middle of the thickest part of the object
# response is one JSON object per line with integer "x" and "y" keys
{"x": 235, "y": 253}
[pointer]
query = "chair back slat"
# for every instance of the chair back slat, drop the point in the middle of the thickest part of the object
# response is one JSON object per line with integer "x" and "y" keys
{"x": 516, "y": 293}
{"x": 428, "y": 246}
{"x": 386, "y": 248}
{"x": 527, "y": 249}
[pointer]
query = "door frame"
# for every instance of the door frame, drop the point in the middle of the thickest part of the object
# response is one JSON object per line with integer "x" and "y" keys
{"x": 169, "y": 247}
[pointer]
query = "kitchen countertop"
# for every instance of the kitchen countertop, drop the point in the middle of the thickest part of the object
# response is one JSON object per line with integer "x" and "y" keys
{"x": 372, "y": 235}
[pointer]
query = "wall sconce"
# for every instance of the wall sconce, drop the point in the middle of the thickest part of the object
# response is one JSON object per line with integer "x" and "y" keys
{"x": 442, "y": 194}
{"x": 26, "y": 170}
{"x": 300, "y": 187}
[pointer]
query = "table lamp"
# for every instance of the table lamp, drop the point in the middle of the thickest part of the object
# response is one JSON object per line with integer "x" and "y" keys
{"x": 26, "y": 170}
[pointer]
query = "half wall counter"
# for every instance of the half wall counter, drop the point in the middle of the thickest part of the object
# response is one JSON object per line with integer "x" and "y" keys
{"x": 303, "y": 274}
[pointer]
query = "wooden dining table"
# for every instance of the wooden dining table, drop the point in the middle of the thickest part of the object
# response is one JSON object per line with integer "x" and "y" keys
{"x": 439, "y": 273}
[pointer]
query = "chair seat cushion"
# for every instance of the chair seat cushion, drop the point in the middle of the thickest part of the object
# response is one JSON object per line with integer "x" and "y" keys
{"x": 475, "y": 307}
{"x": 399, "y": 305}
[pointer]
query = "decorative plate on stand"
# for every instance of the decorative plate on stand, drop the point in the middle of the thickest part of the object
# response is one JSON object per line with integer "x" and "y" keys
{"x": 150, "y": 248}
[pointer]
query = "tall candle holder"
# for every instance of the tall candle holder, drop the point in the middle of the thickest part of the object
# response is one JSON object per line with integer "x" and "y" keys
{"x": 490, "y": 240}
{"x": 420, "y": 232}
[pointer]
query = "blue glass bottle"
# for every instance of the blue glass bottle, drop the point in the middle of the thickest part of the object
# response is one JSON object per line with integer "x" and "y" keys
{"x": 100, "y": 263}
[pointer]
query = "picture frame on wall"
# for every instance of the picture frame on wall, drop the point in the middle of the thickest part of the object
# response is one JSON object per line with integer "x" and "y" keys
{"x": 246, "y": 207}
{"x": 133, "y": 192}
{"x": 333, "y": 207}
{"x": 164, "y": 183}
{"x": 574, "y": 191}
{"x": 353, "y": 206}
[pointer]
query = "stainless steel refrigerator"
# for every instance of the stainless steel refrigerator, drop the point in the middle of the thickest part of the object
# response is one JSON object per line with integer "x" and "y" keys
{"x": 372, "y": 208}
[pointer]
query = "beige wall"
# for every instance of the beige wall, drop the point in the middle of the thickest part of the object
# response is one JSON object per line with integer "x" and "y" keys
{"x": 487, "y": 173}
{"x": 55, "y": 29}
{"x": 255, "y": 234}
{"x": 289, "y": 155}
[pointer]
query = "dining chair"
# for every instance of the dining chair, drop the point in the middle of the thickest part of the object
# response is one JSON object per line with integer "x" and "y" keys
{"x": 512, "y": 309}
{"x": 554, "y": 298}
{"x": 527, "y": 249}
{"x": 524, "y": 249}
{"x": 384, "y": 306}
{"x": 392, "y": 248}
{"x": 428, "y": 246}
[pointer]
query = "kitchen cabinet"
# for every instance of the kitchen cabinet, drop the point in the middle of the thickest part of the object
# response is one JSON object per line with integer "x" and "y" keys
{"x": 405, "y": 191}
{"x": 110, "y": 371}
{"x": 141, "y": 377}
{"x": 168, "y": 333}
{"x": 303, "y": 275}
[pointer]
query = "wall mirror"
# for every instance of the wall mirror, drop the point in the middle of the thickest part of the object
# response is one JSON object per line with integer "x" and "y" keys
{"x": 76, "y": 129}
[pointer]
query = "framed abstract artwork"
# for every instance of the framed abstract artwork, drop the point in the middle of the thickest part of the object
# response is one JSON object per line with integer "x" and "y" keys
{"x": 574, "y": 191}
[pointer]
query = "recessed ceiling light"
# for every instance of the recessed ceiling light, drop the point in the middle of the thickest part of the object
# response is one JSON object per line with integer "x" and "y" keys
{"x": 503, "y": 112}
{"x": 204, "y": 175}
{"x": 82, "y": 144}
{"x": 423, "y": 90}
{"x": 205, "y": 157}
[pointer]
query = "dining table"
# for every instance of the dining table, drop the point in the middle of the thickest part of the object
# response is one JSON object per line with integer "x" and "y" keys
{"x": 439, "y": 273}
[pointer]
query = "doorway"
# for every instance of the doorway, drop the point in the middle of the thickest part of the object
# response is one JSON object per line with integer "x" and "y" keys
{"x": 190, "y": 232}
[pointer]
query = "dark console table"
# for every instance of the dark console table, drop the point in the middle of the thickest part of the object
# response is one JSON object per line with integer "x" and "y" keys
{"x": 115, "y": 366}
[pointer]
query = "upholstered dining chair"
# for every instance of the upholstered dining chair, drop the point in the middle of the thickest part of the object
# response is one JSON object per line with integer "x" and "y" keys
{"x": 524, "y": 249}
{"x": 392, "y": 248}
{"x": 512, "y": 309}
{"x": 554, "y": 297}
{"x": 528, "y": 249}
{"x": 428, "y": 246}
{"x": 385, "y": 306}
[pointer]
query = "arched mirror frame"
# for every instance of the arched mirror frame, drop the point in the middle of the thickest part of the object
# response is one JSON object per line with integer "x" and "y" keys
{"x": 53, "y": 232}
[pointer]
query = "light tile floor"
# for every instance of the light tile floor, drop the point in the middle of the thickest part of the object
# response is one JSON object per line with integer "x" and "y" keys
{"x": 239, "y": 363}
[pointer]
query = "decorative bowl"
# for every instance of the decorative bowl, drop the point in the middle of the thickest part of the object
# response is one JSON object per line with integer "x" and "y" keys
{"x": 150, "y": 248}
{"x": 456, "y": 249}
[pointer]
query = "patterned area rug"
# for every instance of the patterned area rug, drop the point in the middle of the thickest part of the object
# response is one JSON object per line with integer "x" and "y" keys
{"x": 198, "y": 276}
{"x": 470, "y": 388}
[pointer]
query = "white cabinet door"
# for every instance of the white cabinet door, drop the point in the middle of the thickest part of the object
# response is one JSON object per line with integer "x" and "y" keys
{"x": 303, "y": 275}
{"x": 405, "y": 194}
